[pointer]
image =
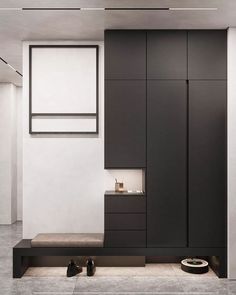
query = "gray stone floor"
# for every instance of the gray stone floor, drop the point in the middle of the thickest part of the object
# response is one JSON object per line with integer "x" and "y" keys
{"x": 166, "y": 280}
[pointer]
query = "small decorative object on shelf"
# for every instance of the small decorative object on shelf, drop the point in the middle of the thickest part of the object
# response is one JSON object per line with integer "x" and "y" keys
{"x": 73, "y": 269}
{"x": 194, "y": 265}
{"x": 91, "y": 268}
{"x": 119, "y": 186}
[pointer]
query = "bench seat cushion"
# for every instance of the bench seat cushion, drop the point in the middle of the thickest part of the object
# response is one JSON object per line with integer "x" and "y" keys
{"x": 68, "y": 240}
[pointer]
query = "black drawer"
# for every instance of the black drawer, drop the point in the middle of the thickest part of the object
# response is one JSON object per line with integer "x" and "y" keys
{"x": 127, "y": 221}
{"x": 125, "y": 239}
{"x": 125, "y": 204}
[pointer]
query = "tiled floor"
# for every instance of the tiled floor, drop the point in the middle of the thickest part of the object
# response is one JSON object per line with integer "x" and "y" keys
{"x": 163, "y": 279}
{"x": 150, "y": 270}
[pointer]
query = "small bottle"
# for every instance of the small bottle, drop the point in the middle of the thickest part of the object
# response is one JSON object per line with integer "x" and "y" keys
{"x": 91, "y": 268}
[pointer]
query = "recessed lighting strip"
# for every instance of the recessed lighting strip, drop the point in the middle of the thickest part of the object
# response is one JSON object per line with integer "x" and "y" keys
{"x": 136, "y": 8}
{"x": 10, "y": 66}
{"x": 10, "y": 8}
{"x": 112, "y": 8}
{"x": 51, "y": 8}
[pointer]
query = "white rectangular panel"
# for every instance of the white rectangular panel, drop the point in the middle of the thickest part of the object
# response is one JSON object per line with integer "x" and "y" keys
{"x": 63, "y": 124}
{"x": 63, "y": 80}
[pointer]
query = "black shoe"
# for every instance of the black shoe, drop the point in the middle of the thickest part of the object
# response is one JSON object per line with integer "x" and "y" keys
{"x": 91, "y": 268}
{"x": 73, "y": 269}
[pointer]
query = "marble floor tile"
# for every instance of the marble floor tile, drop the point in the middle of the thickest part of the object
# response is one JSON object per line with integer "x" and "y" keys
{"x": 5, "y": 267}
{"x": 178, "y": 272}
{"x": 145, "y": 293}
{"x": 201, "y": 285}
{"x": 162, "y": 270}
{"x": 5, "y": 251}
{"x": 156, "y": 270}
{"x": 127, "y": 285}
{"x": 7, "y": 286}
{"x": 45, "y": 285}
{"x": 230, "y": 286}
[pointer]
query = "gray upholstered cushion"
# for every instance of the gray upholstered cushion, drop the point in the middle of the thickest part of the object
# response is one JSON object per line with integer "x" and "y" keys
{"x": 68, "y": 240}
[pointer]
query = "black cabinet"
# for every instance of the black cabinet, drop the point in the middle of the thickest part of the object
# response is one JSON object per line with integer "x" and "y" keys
{"x": 167, "y": 54}
{"x": 125, "y": 220}
{"x": 125, "y": 54}
{"x": 207, "y": 50}
{"x": 125, "y": 124}
{"x": 167, "y": 90}
{"x": 207, "y": 163}
{"x": 166, "y": 163}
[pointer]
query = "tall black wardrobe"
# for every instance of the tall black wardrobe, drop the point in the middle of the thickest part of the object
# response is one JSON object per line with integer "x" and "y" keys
{"x": 165, "y": 112}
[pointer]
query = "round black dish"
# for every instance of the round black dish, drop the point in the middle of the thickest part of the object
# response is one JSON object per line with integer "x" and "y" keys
{"x": 194, "y": 265}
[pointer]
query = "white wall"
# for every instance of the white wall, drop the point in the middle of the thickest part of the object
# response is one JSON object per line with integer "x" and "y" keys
{"x": 8, "y": 154}
{"x": 232, "y": 153}
{"x": 19, "y": 143}
{"x": 63, "y": 176}
{"x": 13, "y": 149}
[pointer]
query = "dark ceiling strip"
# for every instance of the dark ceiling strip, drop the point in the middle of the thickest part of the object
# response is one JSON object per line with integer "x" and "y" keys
{"x": 19, "y": 73}
{"x": 3, "y": 60}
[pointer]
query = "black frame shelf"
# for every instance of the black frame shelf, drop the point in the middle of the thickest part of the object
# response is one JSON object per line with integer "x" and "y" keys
{"x": 33, "y": 115}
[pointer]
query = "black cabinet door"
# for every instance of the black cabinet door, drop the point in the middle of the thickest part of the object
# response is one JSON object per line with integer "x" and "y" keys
{"x": 207, "y": 163}
{"x": 125, "y": 124}
{"x": 125, "y": 55}
{"x": 125, "y": 238}
{"x": 127, "y": 221}
{"x": 167, "y": 55}
{"x": 125, "y": 204}
{"x": 207, "y": 50}
{"x": 166, "y": 163}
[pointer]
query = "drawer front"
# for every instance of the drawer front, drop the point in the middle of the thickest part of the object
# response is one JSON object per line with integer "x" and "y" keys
{"x": 127, "y": 239}
{"x": 126, "y": 221}
{"x": 125, "y": 204}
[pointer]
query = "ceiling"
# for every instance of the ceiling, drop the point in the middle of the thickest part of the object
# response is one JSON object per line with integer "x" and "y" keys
{"x": 17, "y": 26}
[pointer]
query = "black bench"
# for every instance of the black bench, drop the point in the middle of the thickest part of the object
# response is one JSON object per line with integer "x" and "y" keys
{"x": 24, "y": 250}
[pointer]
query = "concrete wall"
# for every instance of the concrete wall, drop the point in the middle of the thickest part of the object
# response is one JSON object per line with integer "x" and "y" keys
{"x": 8, "y": 154}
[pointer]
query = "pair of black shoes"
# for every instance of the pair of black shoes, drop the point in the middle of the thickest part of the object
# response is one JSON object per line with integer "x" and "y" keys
{"x": 73, "y": 269}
